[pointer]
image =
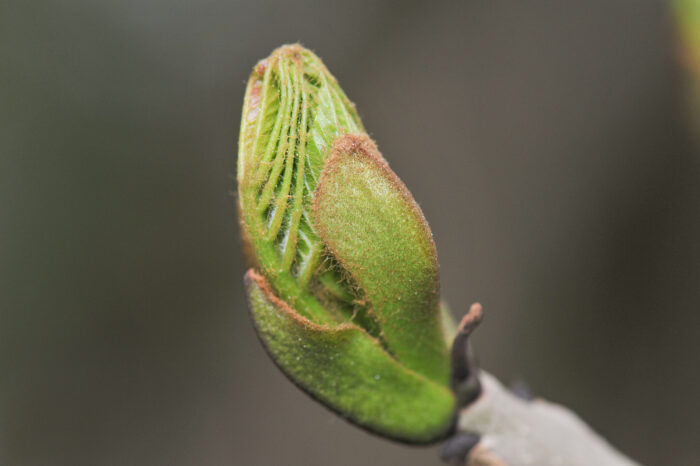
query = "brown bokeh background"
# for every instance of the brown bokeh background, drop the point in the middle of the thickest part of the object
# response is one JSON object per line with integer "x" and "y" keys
{"x": 547, "y": 143}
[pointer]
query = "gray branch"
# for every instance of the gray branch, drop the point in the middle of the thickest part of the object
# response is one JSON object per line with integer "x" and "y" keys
{"x": 496, "y": 427}
{"x": 517, "y": 432}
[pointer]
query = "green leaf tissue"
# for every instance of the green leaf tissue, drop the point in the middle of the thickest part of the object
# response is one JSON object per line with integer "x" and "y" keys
{"x": 343, "y": 288}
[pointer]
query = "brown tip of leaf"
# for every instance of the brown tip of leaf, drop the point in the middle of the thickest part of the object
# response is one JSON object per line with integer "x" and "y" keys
{"x": 471, "y": 319}
{"x": 289, "y": 51}
{"x": 356, "y": 144}
{"x": 465, "y": 380}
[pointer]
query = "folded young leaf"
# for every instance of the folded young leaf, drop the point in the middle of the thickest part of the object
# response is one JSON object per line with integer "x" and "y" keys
{"x": 370, "y": 223}
{"x": 344, "y": 292}
{"x": 348, "y": 371}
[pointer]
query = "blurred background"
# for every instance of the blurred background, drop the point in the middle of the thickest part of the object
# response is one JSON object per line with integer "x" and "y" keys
{"x": 548, "y": 143}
